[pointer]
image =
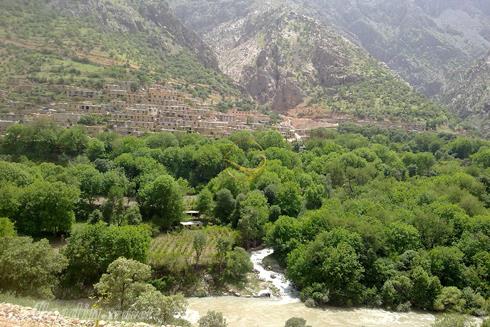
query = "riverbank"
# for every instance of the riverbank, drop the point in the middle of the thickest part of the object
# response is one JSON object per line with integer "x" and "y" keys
{"x": 19, "y": 316}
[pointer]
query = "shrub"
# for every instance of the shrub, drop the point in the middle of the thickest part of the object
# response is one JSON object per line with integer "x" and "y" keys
{"x": 29, "y": 268}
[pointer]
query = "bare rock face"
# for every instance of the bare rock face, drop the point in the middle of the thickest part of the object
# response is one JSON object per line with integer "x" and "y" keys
{"x": 268, "y": 81}
{"x": 280, "y": 56}
{"x": 288, "y": 95}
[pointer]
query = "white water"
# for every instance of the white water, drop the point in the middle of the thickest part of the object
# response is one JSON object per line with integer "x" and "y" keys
{"x": 273, "y": 312}
{"x": 287, "y": 293}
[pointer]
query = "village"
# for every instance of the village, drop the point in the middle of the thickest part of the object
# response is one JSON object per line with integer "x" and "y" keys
{"x": 161, "y": 108}
{"x": 154, "y": 109}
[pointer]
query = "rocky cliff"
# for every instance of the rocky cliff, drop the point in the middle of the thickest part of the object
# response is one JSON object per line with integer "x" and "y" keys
{"x": 424, "y": 41}
{"x": 469, "y": 95}
{"x": 286, "y": 59}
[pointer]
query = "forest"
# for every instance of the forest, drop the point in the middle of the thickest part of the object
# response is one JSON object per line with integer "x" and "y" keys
{"x": 356, "y": 216}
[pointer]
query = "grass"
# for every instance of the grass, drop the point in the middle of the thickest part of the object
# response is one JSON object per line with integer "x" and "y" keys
{"x": 174, "y": 251}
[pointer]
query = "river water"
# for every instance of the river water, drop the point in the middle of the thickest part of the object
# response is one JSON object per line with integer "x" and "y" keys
{"x": 274, "y": 311}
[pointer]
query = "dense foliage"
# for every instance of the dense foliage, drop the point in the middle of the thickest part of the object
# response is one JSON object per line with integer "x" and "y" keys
{"x": 29, "y": 268}
{"x": 357, "y": 216}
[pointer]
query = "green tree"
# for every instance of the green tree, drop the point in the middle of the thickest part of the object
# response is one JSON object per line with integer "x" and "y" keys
{"x": 91, "y": 181}
{"x": 238, "y": 264}
{"x": 396, "y": 291}
{"x": 224, "y": 206}
{"x": 14, "y": 173}
{"x": 199, "y": 243}
{"x": 95, "y": 149}
{"x": 462, "y": 147}
{"x": 161, "y": 140}
{"x": 95, "y": 216}
{"x": 447, "y": 264}
{"x": 425, "y": 289}
{"x": 29, "y": 268}
{"x": 161, "y": 202}
{"x": 212, "y": 319}
{"x": 92, "y": 248}
{"x": 284, "y": 236}
{"x": 9, "y": 200}
{"x": 270, "y": 138}
{"x": 160, "y": 309}
{"x": 123, "y": 283}
{"x": 336, "y": 267}
{"x": 223, "y": 245}
{"x": 205, "y": 202}
{"x": 289, "y": 199}
{"x": 46, "y": 208}
{"x": 73, "y": 141}
{"x": 450, "y": 299}
{"x": 482, "y": 157}
{"x": 314, "y": 197}
{"x": 254, "y": 214}
{"x": 230, "y": 179}
{"x": 401, "y": 237}
{"x": 132, "y": 215}
{"x": 7, "y": 228}
{"x": 207, "y": 163}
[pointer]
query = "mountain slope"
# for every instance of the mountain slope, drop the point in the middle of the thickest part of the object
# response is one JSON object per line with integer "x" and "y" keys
{"x": 469, "y": 95}
{"x": 92, "y": 42}
{"x": 286, "y": 59}
{"x": 422, "y": 40}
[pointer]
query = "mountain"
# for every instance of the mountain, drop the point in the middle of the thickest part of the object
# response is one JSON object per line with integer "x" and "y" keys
{"x": 469, "y": 95}
{"x": 93, "y": 42}
{"x": 286, "y": 59}
{"x": 421, "y": 40}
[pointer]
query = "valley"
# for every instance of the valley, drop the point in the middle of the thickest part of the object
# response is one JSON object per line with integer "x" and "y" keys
{"x": 241, "y": 163}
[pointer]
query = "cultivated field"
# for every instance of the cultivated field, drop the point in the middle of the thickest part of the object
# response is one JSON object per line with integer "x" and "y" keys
{"x": 174, "y": 250}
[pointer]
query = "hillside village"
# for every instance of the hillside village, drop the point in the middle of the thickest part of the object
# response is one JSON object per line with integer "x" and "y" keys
{"x": 160, "y": 108}
{"x": 153, "y": 109}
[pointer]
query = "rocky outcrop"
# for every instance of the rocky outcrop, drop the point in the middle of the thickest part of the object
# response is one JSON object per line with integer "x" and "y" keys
{"x": 285, "y": 58}
{"x": 468, "y": 96}
{"x": 424, "y": 41}
{"x": 17, "y": 316}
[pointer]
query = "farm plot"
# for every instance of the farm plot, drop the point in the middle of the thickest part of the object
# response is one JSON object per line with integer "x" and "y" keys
{"x": 174, "y": 250}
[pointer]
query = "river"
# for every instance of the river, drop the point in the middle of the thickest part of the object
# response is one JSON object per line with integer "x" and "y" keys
{"x": 274, "y": 311}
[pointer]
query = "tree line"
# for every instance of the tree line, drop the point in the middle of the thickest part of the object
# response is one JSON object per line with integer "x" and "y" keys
{"x": 358, "y": 216}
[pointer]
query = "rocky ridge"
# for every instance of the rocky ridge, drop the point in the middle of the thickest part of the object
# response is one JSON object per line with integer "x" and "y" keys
{"x": 286, "y": 59}
{"x": 424, "y": 41}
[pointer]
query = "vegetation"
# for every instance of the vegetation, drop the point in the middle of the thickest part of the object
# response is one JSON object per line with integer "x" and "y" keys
{"x": 175, "y": 251}
{"x": 47, "y": 45}
{"x": 213, "y": 319}
{"x": 296, "y": 322}
{"x": 29, "y": 268}
{"x": 357, "y": 216}
{"x": 125, "y": 287}
{"x": 92, "y": 248}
